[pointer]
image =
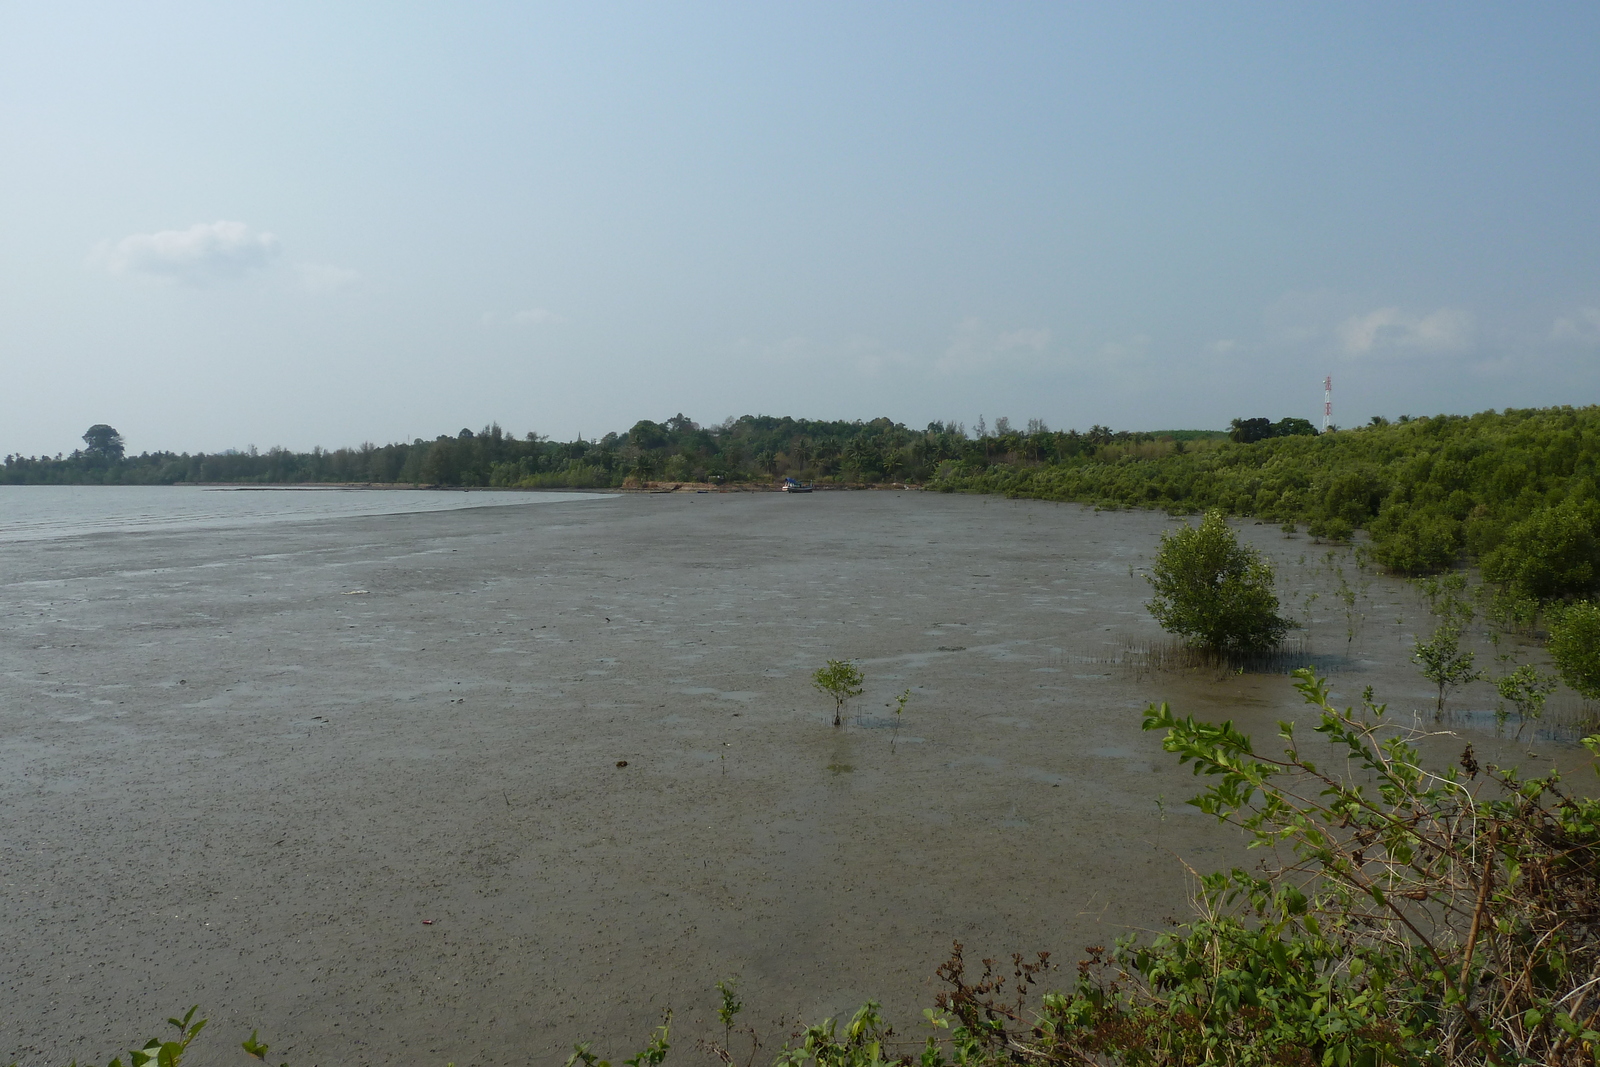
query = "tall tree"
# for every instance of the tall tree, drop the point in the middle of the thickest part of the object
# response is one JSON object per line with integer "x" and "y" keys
{"x": 103, "y": 441}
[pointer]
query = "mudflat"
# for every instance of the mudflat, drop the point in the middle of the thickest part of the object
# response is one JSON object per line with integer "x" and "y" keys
{"x": 358, "y": 782}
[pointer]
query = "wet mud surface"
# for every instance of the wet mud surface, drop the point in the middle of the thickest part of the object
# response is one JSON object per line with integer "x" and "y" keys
{"x": 356, "y": 782}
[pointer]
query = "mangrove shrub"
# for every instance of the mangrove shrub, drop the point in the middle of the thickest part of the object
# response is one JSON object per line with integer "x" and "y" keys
{"x": 841, "y": 680}
{"x": 1213, "y": 591}
{"x": 1575, "y": 647}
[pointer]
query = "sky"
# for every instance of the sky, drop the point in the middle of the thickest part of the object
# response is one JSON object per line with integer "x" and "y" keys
{"x": 299, "y": 224}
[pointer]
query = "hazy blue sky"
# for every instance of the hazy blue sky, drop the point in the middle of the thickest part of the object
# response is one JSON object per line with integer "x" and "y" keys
{"x": 298, "y": 224}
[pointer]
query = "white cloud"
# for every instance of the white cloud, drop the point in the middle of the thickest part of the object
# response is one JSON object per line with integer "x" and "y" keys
{"x": 326, "y": 278}
{"x": 973, "y": 347}
{"x": 1390, "y": 331}
{"x": 203, "y": 253}
{"x": 1581, "y": 327}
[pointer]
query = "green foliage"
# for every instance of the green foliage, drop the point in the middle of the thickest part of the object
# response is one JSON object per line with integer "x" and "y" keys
{"x": 841, "y": 680}
{"x": 1444, "y": 662}
{"x": 103, "y": 443}
{"x": 731, "y": 1004}
{"x": 1402, "y": 916}
{"x": 1508, "y": 609}
{"x": 1247, "y": 431}
{"x": 749, "y": 448}
{"x": 861, "y": 1045}
{"x": 1552, "y": 553}
{"x": 256, "y": 1047}
{"x": 1418, "y": 542}
{"x": 1334, "y": 528}
{"x": 899, "y": 710}
{"x": 650, "y": 1056}
{"x": 1427, "y": 490}
{"x": 167, "y": 1053}
{"x": 1213, "y": 591}
{"x": 737, "y": 450}
{"x": 1526, "y": 689}
{"x": 1575, "y": 647}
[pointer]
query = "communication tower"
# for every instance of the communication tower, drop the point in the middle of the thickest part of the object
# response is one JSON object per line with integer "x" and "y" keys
{"x": 1327, "y": 403}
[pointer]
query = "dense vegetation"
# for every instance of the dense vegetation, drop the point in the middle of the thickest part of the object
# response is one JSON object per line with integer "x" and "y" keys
{"x": 1515, "y": 490}
{"x": 748, "y": 449}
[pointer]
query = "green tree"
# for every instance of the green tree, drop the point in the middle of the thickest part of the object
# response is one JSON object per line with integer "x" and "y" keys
{"x": 841, "y": 680}
{"x": 103, "y": 442}
{"x": 1213, "y": 591}
{"x": 647, "y": 435}
{"x": 1552, "y": 553}
{"x": 1249, "y": 431}
{"x": 1526, "y": 689}
{"x": 1575, "y": 647}
{"x": 1443, "y": 661}
{"x": 1354, "y": 496}
{"x": 1416, "y": 542}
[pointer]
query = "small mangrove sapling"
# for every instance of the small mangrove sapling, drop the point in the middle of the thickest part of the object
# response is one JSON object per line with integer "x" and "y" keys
{"x": 841, "y": 680}
{"x": 1526, "y": 689}
{"x": 899, "y": 709}
{"x": 1444, "y": 662}
{"x": 727, "y": 1013}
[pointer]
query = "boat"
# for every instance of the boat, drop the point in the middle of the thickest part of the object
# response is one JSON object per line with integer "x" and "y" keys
{"x": 791, "y": 486}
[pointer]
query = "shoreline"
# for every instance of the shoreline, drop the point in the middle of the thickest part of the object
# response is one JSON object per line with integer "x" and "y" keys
{"x": 647, "y": 487}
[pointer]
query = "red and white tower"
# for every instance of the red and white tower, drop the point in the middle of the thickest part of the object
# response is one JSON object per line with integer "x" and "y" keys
{"x": 1327, "y": 403}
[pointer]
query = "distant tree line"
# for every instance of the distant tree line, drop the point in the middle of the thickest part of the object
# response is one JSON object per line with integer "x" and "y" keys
{"x": 1246, "y": 431}
{"x": 1515, "y": 490}
{"x": 749, "y": 449}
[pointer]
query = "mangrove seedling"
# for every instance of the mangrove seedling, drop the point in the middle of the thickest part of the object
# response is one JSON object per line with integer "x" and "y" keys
{"x": 840, "y": 680}
{"x": 650, "y": 1056}
{"x": 899, "y": 709}
{"x": 1444, "y": 663}
{"x": 1526, "y": 689}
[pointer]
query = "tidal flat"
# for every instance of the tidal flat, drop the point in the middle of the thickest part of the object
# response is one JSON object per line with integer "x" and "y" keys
{"x": 359, "y": 782}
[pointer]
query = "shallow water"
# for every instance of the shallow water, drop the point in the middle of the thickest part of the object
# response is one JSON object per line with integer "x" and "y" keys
{"x": 46, "y": 512}
{"x": 355, "y": 781}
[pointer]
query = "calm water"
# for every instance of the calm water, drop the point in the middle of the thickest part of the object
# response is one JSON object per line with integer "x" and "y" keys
{"x": 43, "y": 512}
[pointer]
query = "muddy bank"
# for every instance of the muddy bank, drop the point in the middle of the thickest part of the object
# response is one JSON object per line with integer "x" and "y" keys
{"x": 355, "y": 782}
